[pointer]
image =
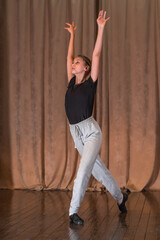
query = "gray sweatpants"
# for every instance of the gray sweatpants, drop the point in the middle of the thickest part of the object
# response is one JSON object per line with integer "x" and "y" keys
{"x": 87, "y": 136}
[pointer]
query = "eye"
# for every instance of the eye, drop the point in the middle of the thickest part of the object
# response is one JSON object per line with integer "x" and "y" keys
{"x": 76, "y": 62}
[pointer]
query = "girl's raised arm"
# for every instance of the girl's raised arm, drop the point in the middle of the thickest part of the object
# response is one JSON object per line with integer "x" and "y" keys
{"x": 71, "y": 28}
{"x": 101, "y": 21}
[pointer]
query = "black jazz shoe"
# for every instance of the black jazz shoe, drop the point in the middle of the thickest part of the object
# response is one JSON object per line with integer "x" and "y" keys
{"x": 74, "y": 218}
{"x": 122, "y": 206}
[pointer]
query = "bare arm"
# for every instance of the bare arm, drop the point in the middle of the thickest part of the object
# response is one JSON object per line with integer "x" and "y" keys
{"x": 101, "y": 21}
{"x": 70, "y": 55}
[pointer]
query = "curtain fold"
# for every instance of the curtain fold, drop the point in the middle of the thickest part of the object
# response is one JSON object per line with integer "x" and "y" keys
{"x": 36, "y": 148}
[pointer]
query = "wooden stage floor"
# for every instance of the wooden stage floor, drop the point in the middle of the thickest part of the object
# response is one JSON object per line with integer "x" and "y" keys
{"x": 27, "y": 215}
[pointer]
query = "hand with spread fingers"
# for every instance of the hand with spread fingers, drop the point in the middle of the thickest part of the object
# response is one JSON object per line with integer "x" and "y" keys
{"x": 101, "y": 20}
{"x": 71, "y": 28}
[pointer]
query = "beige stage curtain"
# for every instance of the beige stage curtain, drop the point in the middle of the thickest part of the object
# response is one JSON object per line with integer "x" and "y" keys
{"x": 36, "y": 148}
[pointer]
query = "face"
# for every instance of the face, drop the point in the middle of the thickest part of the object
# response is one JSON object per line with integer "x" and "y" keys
{"x": 78, "y": 66}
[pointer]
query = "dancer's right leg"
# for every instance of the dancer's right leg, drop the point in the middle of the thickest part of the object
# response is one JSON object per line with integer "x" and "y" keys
{"x": 103, "y": 175}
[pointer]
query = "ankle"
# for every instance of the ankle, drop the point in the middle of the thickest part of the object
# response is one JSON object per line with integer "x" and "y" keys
{"x": 120, "y": 201}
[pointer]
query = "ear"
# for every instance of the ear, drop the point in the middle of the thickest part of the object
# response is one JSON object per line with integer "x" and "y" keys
{"x": 86, "y": 68}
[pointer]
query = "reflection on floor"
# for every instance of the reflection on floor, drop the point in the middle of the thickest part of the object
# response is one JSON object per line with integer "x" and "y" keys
{"x": 27, "y": 215}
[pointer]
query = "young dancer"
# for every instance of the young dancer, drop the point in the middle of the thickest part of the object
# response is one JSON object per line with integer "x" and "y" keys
{"x": 86, "y": 133}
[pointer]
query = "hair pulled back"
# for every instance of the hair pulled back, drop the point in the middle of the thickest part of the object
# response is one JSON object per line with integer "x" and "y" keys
{"x": 87, "y": 62}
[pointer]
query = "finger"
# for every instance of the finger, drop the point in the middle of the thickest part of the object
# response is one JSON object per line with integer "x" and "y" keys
{"x": 100, "y": 13}
{"x": 107, "y": 19}
{"x": 68, "y": 24}
{"x": 104, "y": 16}
{"x": 75, "y": 27}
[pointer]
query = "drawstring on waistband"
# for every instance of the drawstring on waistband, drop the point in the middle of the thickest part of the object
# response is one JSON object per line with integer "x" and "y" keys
{"x": 78, "y": 131}
{"x": 78, "y": 134}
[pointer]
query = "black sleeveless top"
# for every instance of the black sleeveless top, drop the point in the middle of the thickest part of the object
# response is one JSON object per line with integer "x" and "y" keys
{"x": 79, "y": 100}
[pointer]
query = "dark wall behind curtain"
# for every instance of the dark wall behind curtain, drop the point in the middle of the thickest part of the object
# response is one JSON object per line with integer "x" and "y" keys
{"x": 36, "y": 148}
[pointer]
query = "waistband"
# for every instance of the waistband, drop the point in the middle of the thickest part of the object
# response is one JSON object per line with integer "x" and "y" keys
{"x": 90, "y": 119}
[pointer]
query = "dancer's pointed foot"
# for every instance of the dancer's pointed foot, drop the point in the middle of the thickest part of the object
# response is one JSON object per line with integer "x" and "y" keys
{"x": 122, "y": 206}
{"x": 74, "y": 218}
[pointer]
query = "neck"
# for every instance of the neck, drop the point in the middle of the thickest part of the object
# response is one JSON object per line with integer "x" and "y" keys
{"x": 80, "y": 78}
